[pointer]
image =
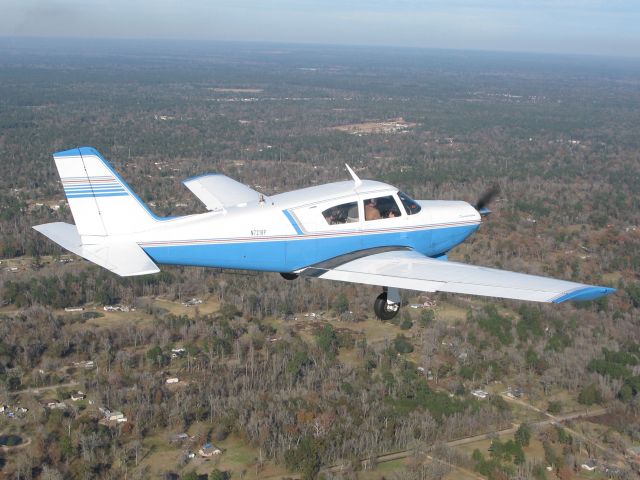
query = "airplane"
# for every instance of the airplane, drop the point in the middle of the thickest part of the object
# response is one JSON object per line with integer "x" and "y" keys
{"x": 360, "y": 231}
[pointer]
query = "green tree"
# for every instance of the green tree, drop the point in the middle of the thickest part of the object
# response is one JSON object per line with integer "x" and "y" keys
{"x": 66, "y": 446}
{"x": 426, "y": 318}
{"x": 341, "y": 304}
{"x": 304, "y": 458}
{"x": 192, "y": 475}
{"x": 218, "y": 475}
{"x": 406, "y": 323}
{"x": 402, "y": 344}
{"x": 154, "y": 354}
{"x": 327, "y": 339}
{"x": 523, "y": 435}
{"x": 554, "y": 407}
{"x": 589, "y": 395}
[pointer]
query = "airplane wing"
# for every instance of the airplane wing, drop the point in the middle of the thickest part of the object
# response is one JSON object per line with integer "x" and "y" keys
{"x": 408, "y": 269}
{"x": 219, "y": 191}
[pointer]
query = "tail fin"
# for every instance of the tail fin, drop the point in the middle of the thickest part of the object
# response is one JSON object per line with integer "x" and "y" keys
{"x": 101, "y": 202}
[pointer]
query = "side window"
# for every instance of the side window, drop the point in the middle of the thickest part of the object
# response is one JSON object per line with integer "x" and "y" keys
{"x": 380, "y": 207}
{"x": 410, "y": 204}
{"x": 345, "y": 213}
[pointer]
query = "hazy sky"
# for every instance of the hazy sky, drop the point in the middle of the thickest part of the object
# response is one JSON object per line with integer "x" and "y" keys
{"x": 559, "y": 26}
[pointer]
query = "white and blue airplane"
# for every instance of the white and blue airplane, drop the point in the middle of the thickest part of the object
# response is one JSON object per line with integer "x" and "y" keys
{"x": 360, "y": 231}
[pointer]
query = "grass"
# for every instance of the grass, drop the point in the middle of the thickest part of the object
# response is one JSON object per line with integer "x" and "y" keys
{"x": 383, "y": 469}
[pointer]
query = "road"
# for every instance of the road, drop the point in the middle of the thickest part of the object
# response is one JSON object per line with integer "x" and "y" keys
{"x": 388, "y": 457}
{"x": 48, "y": 387}
{"x": 557, "y": 419}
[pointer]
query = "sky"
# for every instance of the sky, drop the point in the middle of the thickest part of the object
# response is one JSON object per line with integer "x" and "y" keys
{"x": 602, "y": 27}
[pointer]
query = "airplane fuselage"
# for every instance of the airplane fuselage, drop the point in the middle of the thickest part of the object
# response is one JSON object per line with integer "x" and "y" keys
{"x": 287, "y": 232}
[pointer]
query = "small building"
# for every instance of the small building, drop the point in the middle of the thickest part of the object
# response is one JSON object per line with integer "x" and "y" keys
{"x": 209, "y": 450}
{"x": 115, "y": 417}
{"x": 481, "y": 394}
{"x": 74, "y": 309}
{"x": 55, "y": 405}
{"x": 192, "y": 302}
{"x": 590, "y": 465}
{"x": 172, "y": 380}
{"x": 4, "y": 408}
{"x": 84, "y": 364}
{"x": 178, "y": 352}
{"x": 75, "y": 397}
{"x": 179, "y": 437}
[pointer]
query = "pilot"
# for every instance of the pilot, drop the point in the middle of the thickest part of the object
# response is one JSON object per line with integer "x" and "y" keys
{"x": 371, "y": 211}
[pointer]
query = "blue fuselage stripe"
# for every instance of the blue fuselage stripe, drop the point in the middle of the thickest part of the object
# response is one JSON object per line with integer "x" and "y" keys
{"x": 295, "y": 225}
{"x": 287, "y": 255}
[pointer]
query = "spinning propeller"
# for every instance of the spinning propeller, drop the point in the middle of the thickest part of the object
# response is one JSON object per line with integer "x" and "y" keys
{"x": 485, "y": 199}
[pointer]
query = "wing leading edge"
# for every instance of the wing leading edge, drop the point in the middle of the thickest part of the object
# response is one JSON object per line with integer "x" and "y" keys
{"x": 413, "y": 271}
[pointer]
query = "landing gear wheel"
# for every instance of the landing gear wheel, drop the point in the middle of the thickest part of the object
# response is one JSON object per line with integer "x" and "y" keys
{"x": 383, "y": 309}
{"x": 289, "y": 276}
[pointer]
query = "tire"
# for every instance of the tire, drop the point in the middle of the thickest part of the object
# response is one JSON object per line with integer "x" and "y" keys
{"x": 289, "y": 276}
{"x": 382, "y": 310}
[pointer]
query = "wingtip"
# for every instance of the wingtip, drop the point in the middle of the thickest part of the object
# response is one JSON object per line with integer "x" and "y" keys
{"x": 585, "y": 294}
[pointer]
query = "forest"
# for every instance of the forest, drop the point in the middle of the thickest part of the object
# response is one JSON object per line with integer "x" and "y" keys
{"x": 297, "y": 379}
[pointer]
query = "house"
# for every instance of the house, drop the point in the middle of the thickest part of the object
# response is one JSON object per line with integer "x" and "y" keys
{"x": 84, "y": 364}
{"x": 481, "y": 394}
{"x": 590, "y": 465}
{"x": 78, "y": 396}
{"x": 55, "y": 405}
{"x": 192, "y": 302}
{"x": 74, "y": 309}
{"x": 4, "y": 408}
{"x": 116, "y": 417}
{"x": 172, "y": 380}
{"x": 209, "y": 450}
{"x": 178, "y": 352}
{"x": 179, "y": 437}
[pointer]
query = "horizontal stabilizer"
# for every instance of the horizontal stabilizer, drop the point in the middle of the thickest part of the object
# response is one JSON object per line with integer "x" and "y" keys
{"x": 218, "y": 192}
{"x": 125, "y": 258}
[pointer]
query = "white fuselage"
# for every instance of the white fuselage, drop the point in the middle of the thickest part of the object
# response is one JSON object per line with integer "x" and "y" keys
{"x": 288, "y": 231}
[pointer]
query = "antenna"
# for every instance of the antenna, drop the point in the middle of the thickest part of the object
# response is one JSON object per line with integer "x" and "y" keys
{"x": 355, "y": 177}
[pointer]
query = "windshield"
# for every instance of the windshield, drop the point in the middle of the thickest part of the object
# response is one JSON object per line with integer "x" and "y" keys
{"x": 409, "y": 203}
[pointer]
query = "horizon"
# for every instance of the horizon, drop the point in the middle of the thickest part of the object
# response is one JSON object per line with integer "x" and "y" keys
{"x": 87, "y": 42}
{"x": 569, "y": 27}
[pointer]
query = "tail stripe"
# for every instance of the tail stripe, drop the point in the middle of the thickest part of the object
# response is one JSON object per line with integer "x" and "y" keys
{"x": 92, "y": 195}
{"x": 101, "y": 202}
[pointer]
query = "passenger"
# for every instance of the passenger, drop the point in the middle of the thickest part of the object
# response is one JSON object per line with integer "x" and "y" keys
{"x": 371, "y": 211}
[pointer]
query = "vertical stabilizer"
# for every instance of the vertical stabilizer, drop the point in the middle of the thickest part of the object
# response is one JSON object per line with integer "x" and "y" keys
{"x": 101, "y": 202}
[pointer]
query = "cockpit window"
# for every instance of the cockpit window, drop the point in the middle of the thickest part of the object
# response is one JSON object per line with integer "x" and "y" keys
{"x": 345, "y": 213}
{"x": 410, "y": 205}
{"x": 381, "y": 207}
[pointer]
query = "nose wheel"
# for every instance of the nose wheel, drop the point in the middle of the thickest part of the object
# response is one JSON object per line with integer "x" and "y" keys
{"x": 387, "y": 305}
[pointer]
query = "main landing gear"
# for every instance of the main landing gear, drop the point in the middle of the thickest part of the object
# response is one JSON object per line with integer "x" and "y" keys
{"x": 387, "y": 304}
